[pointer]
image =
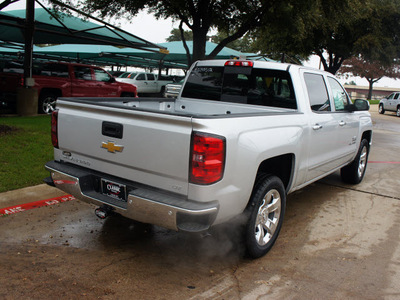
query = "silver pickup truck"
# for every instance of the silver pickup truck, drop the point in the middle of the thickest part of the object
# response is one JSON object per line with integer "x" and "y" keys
{"x": 239, "y": 138}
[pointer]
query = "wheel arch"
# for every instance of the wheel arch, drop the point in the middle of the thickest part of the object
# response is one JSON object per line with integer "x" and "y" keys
{"x": 281, "y": 166}
{"x": 367, "y": 135}
{"x": 54, "y": 91}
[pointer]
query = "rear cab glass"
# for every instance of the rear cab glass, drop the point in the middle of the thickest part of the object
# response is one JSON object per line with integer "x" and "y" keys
{"x": 247, "y": 85}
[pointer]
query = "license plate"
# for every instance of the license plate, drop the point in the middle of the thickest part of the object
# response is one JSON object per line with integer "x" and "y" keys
{"x": 113, "y": 190}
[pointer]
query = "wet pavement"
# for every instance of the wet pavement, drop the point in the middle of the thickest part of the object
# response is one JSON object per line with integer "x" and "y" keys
{"x": 337, "y": 242}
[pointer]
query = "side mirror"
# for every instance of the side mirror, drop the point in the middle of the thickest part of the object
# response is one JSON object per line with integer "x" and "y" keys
{"x": 361, "y": 104}
{"x": 112, "y": 79}
{"x": 358, "y": 105}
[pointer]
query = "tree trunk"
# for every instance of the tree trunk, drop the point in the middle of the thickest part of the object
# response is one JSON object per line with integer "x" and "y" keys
{"x": 371, "y": 83}
{"x": 199, "y": 44}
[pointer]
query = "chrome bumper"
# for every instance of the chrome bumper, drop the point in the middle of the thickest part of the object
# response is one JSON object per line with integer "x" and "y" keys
{"x": 143, "y": 204}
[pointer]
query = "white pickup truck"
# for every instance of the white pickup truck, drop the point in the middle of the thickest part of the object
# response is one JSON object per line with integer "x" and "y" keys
{"x": 146, "y": 83}
{"x": 239, "y": 138}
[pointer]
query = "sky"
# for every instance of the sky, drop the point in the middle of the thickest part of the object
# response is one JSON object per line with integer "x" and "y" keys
{"x": 146, "y": 26}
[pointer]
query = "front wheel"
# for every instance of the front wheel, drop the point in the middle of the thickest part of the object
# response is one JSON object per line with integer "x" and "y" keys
{"x": 354, "y": 172}
{"x": 381, "y": 110}
{"x": 398, "y": 111}
{"x": 266, "y": 211}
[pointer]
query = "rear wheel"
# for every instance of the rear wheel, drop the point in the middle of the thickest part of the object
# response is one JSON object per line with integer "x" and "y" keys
{"x": 381, "y": 110}
{"x": 354, "y": 172}
{"x": 47, "y": 103}
{"x": 266, "y": 211}
{"x": 398, "y": 111}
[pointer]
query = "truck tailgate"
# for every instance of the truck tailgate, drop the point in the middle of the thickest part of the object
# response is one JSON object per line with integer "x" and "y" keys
{"x": 146, "y": 147}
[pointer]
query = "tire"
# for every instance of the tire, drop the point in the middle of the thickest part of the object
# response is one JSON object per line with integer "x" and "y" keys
{"x": 47, "y": 103}
{"x": 381, "y": 110}
{"x": 398, "y": 111}
{"x": 354, "y": 172}
{"x": 265, "y": 215}
{"x": 127, "y": 95}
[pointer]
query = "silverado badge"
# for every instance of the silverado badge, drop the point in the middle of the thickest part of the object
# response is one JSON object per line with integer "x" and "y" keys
{"x": 111, "y": 147}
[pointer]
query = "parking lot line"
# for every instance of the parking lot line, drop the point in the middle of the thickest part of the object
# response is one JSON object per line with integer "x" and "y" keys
{"x": 384, "y": 162}
{"x": 27, "y": 206}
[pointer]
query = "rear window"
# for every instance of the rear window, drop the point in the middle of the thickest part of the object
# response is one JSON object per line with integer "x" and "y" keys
{"x": 241, "y": 85}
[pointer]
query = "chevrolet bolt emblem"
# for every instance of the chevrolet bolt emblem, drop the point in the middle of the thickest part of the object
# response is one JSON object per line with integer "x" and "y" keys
{"x": 111, "y": 147}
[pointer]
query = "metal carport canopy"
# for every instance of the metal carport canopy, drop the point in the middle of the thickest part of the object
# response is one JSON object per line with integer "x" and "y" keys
{"x": 59, "y": 28}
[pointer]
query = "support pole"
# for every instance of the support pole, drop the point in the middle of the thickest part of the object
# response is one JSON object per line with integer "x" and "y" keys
{"x": 27, "y": 98}
{"x": 29, "y": 29}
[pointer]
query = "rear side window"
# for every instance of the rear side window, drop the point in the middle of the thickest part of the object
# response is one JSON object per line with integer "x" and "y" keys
{"x": 317, "y": 92}
{"x": 241, "y": 85}
{"x": 55, "y": 70}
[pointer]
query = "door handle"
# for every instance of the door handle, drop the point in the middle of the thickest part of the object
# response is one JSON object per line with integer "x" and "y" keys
{"x": 342, "y": 123}
{"x": 317, "y": 127}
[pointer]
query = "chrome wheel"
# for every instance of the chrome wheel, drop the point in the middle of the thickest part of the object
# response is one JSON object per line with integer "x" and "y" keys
{"x": 398, "y": 112}
{"x": 268, "y": 217}
{"x": 48, "y": 105}
{"x": 381, "y": 110}
{"x": 354, "y": 172}
{"x": 363, "y": 161}
{"x": 265, "y": 214}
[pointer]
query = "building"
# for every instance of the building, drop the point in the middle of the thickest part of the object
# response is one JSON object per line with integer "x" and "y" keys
{"x": 361, "y": 92}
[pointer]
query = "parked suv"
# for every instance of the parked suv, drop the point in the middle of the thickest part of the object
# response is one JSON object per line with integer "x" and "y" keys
{"x": 53, "y": 80}
{"x": 391, "y": 103}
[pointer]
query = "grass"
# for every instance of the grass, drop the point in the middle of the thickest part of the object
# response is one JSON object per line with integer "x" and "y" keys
{"x": 25, "y": 146}
{"x": 373, "y": 101}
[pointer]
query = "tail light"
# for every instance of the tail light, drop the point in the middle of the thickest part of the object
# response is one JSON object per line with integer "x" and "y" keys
{"x": 54, "y": 128}
{"x": 207, "y": 158}
{"x": 239, "y": 63}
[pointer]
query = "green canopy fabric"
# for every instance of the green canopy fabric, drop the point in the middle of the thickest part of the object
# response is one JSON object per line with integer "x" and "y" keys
{"x": 110, "y": 55}
{"x": 59, "y": 28}
{"x": 177, "y": 52}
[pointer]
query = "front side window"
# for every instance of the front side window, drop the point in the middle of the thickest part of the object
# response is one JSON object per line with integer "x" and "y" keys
{"x": 101, "y": 75}
{"x": 317, "y": 92}
{"x": 339, "y": 95}
{"x": 391, "y": 96}
{"x": 83, "y": 73}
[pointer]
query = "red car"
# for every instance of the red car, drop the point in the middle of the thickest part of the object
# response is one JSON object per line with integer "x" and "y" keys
{"x": 53, "y": 80}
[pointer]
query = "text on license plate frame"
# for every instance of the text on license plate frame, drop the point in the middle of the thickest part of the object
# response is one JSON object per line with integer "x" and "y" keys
{"x": 113, "y": 189}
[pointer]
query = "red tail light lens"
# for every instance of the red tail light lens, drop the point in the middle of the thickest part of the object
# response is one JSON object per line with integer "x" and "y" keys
{"x": 207, "y": 158}
{"x": 54, "y": 128}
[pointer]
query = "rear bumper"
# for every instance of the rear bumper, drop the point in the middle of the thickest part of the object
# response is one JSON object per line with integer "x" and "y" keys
{"x": 143, "y": 204}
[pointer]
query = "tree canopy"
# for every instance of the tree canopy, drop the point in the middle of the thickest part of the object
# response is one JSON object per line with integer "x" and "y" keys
{"x": 372, "y": 71}
{"x": 336, "y": 30}
{"x": 235, "y": 17}
{"x": 333, "y": 30}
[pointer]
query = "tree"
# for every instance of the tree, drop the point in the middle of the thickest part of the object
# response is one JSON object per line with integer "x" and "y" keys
{"x": 372, "y": 71}
{"x": 336, "y": 30}
{"x": 176, "y": 35}
{"x": 234, "y": 16}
